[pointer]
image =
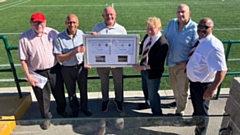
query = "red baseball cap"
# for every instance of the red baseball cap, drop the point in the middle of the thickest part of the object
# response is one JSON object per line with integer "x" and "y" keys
{"x": 38, "y": 17}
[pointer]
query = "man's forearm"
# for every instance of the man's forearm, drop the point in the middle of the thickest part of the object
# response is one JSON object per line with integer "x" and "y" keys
{"x": 218, "y": 79}
{"x": 25, "y": 68}
{"x": 63, "y": 57}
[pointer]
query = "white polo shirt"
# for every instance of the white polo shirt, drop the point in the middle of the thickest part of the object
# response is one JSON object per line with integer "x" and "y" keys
{"x": 207, "y": 59}
{"x": 102, "y": 28}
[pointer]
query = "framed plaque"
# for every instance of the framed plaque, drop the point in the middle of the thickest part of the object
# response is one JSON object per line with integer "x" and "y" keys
{"x": 111, "y": 50}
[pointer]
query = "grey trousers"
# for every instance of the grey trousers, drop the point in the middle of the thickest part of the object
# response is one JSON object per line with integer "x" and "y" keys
{"x": 117, "y": 80}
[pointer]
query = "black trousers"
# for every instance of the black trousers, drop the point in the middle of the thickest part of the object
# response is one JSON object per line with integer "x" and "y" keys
{"x": 200, "y": 106}
{"x": 54, "y": 85}
{"x": 71, "y": 75}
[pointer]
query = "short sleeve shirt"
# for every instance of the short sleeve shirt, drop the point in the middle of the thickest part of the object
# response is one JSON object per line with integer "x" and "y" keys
{"x": 64, "y": 44}
{"x": 102, "y": 28}
{"x": 207, "y": 59}
{"x": 180, "y": 42}
{"x": 37, "y": 51}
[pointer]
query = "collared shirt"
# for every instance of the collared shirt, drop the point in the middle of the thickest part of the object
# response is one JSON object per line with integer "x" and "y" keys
{"x": 154, "y": 39}
{"x": 207, "y": 59}
{"x": 180, "y": 42}
{"x": 37, "y": 51}
{"x": 102, "y": 28}
{"x": 64, "y": 44}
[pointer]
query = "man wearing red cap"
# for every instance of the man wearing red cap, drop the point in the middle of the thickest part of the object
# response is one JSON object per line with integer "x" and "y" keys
{"x": 36, "y": 55}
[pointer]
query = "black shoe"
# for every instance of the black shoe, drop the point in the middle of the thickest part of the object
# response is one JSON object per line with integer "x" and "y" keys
{"x": 87, "y": 112}
{"x": 105, "y": 106}
{"x": 45, "y": 124}
{"x": 172, "y": 105}
{"x": 142, "y": 106}
{"x": 64, "y": 114}
{"x": 118, "y": 105}
{"x": 178, "y": 114}
{"x": 157, "y": 114}
{"x": 74, "y": 115}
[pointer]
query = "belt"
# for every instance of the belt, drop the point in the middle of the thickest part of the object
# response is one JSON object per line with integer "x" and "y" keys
{"x": 75, "y": 66}
{"x": 199, "y": 82}
{"x": 42, "y": 70}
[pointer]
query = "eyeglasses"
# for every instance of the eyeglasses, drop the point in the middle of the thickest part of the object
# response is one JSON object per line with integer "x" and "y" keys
{"x": 203, "y": 26}
{"x": 37, "y": 23}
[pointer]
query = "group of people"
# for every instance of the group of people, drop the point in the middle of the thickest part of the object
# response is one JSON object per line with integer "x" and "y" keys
{"x": 193, "y": 55}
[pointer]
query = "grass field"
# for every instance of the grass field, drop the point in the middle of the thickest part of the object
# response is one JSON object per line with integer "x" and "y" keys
{"x": 132, "y": 14}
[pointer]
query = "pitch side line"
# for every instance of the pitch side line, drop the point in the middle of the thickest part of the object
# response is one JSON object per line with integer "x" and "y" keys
{"x": 130, "y": 31}
{"x": 10, "y": 3}
{"x": 10, "y": 6}
{"x": 128, "y": 4}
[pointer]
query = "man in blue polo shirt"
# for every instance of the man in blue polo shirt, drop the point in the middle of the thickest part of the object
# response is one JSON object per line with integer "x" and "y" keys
{"x": 181, "y": 33}
{"x": 110, "y": 26}
{"x": 69, "y": 50}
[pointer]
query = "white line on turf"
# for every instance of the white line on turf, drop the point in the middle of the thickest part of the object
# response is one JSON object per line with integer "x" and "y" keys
{"x": 4, "y": 5}
{"x": 14, "y": 5}
{"x": 131, "y": 4}
{"x": 129, "y": 31}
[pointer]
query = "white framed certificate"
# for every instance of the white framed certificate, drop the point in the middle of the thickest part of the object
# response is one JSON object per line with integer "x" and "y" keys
{"x": 111, "y": 50}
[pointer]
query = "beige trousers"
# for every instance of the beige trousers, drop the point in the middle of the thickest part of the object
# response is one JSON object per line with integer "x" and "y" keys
{"x": 179, "y": 83}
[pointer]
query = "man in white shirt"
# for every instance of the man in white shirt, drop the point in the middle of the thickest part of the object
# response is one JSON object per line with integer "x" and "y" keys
{"x": 206, "y": 70}
{"x": 110, "y": 27}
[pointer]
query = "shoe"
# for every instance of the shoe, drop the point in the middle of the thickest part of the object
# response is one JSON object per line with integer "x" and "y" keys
{"x": 74, "y": 115}
{"x": 64, "y": 114}
{"x": 105, "y": 106}
{"x": 178, "y": 122}
{"x": 172, "y": 105}
{"x": 178, "y": 114}
{"x": 118, "y": 105}
{"x": 142, "y": 106}
{"x": 87, "y": 112}
{"x": 157, "y": 114}
{"x": 45, "y": 124}
{"x": 179, "y": 119}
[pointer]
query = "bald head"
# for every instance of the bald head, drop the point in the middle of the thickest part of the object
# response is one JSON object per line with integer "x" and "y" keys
{"x": 208, "y": 21}
{"x": 183, "y": 14}
{"x": 72, "y": 24}
{"x": 72, "y": 16}
{"x": 185, "y": 7}
{"x": 109, "y": 16}
{"x": 205, "y": 27}
{"x": 109, "y": 9}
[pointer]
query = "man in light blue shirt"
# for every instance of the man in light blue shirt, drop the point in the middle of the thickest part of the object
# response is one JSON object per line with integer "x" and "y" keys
{"x": 181, "y": 34}
{"x": 69, "y": 50}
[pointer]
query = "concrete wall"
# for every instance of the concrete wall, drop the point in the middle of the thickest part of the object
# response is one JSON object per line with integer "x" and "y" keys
{"x": 232, "y": 108}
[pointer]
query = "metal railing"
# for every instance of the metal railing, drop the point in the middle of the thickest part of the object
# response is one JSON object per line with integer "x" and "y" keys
{"x": 17, "y": 80}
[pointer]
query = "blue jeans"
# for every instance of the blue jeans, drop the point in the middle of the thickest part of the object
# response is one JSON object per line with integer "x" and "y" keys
{"x": 150, "y": 90}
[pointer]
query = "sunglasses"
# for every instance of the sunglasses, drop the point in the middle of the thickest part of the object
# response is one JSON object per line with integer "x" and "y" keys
{"x": 203, "y": 26}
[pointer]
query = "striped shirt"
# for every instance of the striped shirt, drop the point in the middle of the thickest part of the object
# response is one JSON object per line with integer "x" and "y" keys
{"x": 37, "y": 51}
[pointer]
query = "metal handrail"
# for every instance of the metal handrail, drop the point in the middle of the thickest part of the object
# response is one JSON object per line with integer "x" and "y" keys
{"x": 18, "y": 80}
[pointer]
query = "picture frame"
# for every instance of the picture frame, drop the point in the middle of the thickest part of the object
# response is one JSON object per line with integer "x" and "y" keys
{"x": 111, "y": 50}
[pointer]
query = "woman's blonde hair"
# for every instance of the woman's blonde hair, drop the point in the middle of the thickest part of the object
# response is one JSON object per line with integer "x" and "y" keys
{"x": 154, "y": 22}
